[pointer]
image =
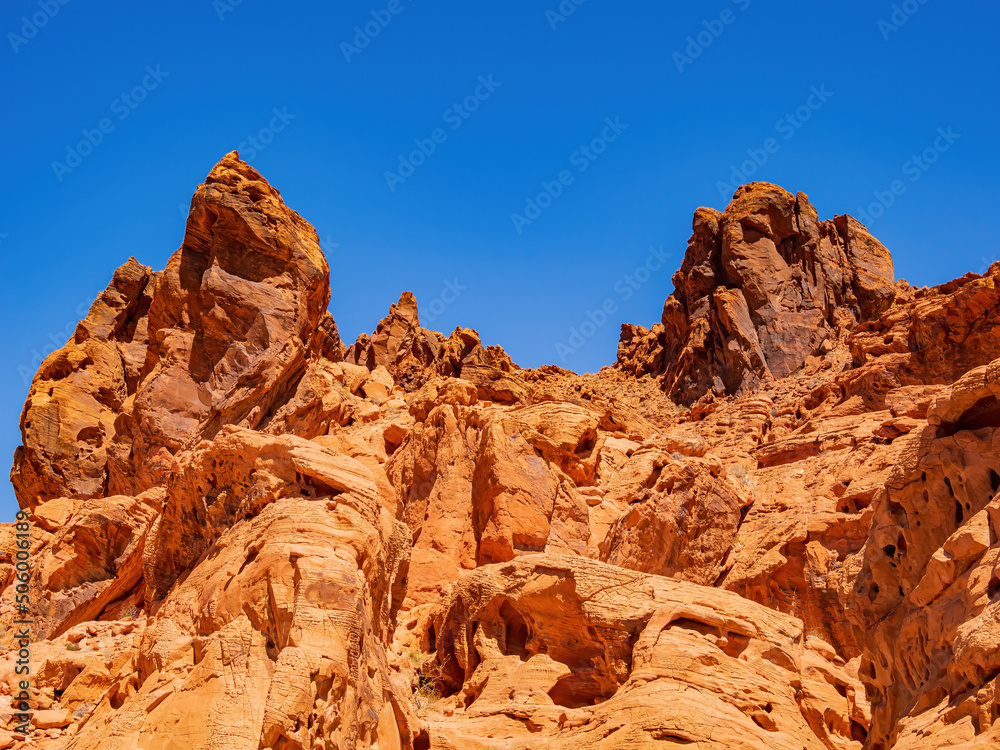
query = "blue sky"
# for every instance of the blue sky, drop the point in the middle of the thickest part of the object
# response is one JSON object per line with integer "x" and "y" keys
{"x": 602, "y": 129}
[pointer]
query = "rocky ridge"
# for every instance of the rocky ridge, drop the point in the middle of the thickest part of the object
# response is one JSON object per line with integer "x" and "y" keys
{"x": 772, "y": 523}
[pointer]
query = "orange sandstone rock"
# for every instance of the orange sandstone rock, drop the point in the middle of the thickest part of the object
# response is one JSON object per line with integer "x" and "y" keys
{"x": 772, "y": 524}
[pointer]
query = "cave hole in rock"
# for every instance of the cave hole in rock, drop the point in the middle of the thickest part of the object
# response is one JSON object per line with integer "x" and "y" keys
{"x": 897, "y": 511}
{"x": 577, "y": 691}
{"x": 472, "y": 694}
{"x": 474, "y": 658}
{"x": 734, "y": 645}
{"x": 959, "y": 513}
{"x": 901, "y": 544}
{"x": 390, "y": 446}
{"x": 984, "y": 413}
{"x": 452, "y": 676}
{"x": 994, "y": 481}
{"x": 515, "y": 632}
{"x": 586, "y": 444}
{"x": 671, "y": 738}
{"x": 764, "y": 722}
{"x": 858, "y": 732}
{"x": 987, "y": 676}
{"x": 861, "y": 502}
{"x": 873, "y": 592}
{"x": 695, "y": 625}
{"x": 889, "y": 549}
{"x": 994, "y": 587}
{"x": 118, "y": 695}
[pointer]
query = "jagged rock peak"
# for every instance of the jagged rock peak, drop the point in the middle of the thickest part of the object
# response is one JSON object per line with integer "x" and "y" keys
{"x": 763, "y": 285}
{"x": 163, "y": 360}
{"x": 413, "y": 355}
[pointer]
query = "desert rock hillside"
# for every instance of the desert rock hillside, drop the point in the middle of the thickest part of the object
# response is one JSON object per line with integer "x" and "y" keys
{"x": 772, "y": 524}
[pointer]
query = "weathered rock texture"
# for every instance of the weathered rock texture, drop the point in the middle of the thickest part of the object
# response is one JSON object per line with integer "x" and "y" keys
{"x": 763, "y": 285}
{"x": 412, "y": 354}
{"x": 772, "y": 524}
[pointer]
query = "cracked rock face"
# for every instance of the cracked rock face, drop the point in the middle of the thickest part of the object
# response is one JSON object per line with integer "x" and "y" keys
{"x": 763, "y": 285}
{"x": 771, "y": 524}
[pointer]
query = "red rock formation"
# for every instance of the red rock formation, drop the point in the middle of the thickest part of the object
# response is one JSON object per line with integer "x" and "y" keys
{"x": 927, "y": 593}
{"x": 413, "y": 355}
{"x": 68, "y": 422}
{"x": 771, "y": 525}
{"x": 557, "y": 651}
{"x": 763, "y": 285}
{"x": 165, "y": 360}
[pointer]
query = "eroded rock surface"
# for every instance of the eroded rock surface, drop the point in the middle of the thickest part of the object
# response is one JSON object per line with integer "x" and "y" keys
{"x": 772, "y": 524}
{"x": 165, "y": 360}
{"x": 763, "y": 285}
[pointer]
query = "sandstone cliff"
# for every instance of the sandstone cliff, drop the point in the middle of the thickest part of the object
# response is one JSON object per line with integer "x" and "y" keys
{"x": 771, "y": 524}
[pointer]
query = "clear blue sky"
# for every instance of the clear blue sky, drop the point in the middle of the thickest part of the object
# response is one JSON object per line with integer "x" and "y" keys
{"x": 693, "y": 86}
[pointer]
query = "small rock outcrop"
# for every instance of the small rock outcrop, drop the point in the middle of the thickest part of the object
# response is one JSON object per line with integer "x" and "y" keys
{"x": 413, "y": 355}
